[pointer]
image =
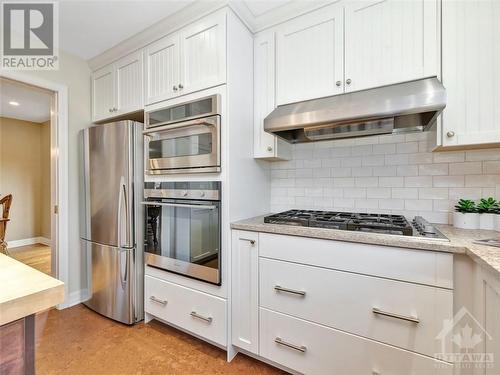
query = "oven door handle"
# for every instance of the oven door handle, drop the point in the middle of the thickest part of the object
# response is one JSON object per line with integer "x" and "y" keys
{"x": 179, "y": 205}
{"x": 186, "y": 124}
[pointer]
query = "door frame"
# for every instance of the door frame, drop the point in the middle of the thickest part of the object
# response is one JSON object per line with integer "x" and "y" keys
{"x": 59, "y": 179}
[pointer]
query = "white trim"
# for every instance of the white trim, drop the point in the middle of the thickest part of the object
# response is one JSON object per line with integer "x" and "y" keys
{"x": 28, "y": 241}
{"x": 61, "y": 149}
{"x": 76, "y": 297}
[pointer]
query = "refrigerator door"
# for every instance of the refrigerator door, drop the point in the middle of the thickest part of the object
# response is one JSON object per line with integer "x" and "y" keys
{"x": 110, "y": 181}
{"x": 112, "y": 282}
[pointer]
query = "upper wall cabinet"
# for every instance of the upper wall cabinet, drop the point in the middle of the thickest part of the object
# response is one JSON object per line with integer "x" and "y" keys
{"x": 471, "y": 59}
{"x": 390, "y": 41}
{"x": 309, "y": 56}
{"x": 190, "y": 60}
{"x": 117, "y": 89}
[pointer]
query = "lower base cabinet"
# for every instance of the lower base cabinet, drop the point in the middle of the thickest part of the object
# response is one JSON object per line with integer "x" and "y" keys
{"x": 199, "y": 313}
{"x": 17, "y": 347}
{"x": 315, "y": 349}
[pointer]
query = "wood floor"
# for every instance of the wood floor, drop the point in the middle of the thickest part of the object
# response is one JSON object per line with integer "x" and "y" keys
{"x": 79, "y": 341}
{"x": 36, "y": 256}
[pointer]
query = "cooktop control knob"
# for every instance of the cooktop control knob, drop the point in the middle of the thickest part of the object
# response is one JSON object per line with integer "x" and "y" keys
{"x": 185, "y": 193}
{"x": 202, "y": 194}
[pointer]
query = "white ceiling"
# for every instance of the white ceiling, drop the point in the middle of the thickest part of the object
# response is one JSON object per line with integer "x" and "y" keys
{"x": 34, "y": 103}
{"x": 88, "y": 28}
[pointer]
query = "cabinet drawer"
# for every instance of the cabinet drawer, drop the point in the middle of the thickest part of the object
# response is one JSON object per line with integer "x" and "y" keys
{"x": 418, "y": 266}
{"x": 346, "y": 301}
{"x": 316, "y": 349}
{"x": 194, "y": 311}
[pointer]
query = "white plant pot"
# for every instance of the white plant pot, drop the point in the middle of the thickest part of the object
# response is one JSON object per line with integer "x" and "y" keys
{"x": 497, "y": 222}
{"x": 466, "y": 221}
{"x": 487, "y": 221}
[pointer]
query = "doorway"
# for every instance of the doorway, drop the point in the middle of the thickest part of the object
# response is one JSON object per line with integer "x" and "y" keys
{"x": 26, "y": 173}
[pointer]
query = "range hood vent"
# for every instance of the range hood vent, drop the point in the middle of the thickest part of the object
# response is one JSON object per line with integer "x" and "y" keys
{"x": 403, "y": 107}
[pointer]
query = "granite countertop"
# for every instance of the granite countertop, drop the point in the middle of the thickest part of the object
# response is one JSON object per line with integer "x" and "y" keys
{"x": 461, "y": 240}
{"x": 25, "y": 291}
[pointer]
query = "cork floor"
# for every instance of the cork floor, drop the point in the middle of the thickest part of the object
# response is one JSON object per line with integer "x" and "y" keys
{"x": 78, "y": 341}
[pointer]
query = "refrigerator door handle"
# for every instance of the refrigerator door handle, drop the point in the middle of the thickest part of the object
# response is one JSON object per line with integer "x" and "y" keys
{"x": 123, "y": 216}
{"x": 123, "y": 256}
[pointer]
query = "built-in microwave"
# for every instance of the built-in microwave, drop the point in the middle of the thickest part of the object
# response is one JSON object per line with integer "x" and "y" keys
{"x": 183, "y": 138}
{"x": 183, "y": 228}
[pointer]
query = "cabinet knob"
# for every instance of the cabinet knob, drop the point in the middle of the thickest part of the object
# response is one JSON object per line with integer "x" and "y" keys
{"x": 174, "y": 88}
{"x": 115, "y": 109}
{"x": 181, "y": 86}
{"x": 450, "y": 134}
{"x": 338, "y": 83}
{"x": 269, "y": 148}
{"x": 348, "y": 81}
{"x": 110, "y": 110}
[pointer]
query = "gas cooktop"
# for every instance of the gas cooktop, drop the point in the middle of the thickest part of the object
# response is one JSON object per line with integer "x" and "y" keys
{"x": 361, "y": 222}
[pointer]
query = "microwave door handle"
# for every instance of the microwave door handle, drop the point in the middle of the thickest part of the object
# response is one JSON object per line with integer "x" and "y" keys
{"x": 207, "y": 207}
{"x": 188, "y": 124}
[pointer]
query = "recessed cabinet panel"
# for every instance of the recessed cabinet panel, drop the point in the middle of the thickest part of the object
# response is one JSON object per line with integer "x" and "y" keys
{"x": 129, "y": 81}
{"x": 471, "y": 59}
{"x": 309, "y": 56}
{"x": 388, "y": 42}
{"x": 162, "y": 69}
{"x": 103, "y": 93}
{"x": 203, "y": 56}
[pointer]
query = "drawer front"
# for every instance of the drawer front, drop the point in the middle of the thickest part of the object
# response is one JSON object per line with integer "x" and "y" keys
{"x": 347, "y": 301}
{"x": 194, "y": 311}
{"x": 313, "y": 349}
{"x": 418, "y": 266}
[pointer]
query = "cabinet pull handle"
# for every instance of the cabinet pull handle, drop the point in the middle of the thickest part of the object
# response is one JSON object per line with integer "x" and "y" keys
{"x": 194, "y": 314}
{"x": 181, "y": 86}
{"x": 450, "y": 134}
{"x": 300, "y": 348}
{"x": 396, "y": 316}
{"x": 174, "y": 88}
{"x": 291, "y": 291}
{"x": 157, "y": 300}
{"x": 338, "y": 83}
{"x": 110, "y": 110}
{"x": 252, "y": 242}
{"x": 348, "y": 81}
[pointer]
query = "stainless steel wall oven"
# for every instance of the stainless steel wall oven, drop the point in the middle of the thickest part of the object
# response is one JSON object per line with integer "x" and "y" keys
{"x": 184, "y": 138}
{"x": 183, "y": 228}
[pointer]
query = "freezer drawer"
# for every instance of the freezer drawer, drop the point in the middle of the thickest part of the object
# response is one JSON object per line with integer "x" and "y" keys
{"x": 111, "y": 281}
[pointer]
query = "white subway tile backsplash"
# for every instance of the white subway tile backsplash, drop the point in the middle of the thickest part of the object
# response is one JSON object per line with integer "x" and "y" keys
{"x": 394, "y": 174}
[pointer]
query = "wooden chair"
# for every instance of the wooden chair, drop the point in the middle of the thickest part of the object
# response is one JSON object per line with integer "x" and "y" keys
{"x": 5, "y": 203}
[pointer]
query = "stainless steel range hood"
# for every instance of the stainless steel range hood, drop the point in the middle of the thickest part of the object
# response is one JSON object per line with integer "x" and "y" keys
{"x": 403, "y": 107}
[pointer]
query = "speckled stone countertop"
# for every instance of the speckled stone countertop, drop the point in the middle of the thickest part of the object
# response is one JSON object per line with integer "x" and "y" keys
{"x": 461, "y": 240}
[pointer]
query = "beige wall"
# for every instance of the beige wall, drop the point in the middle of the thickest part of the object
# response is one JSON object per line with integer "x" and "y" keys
{"x": 74, "y": 73}
{"x": 23, "y": 173}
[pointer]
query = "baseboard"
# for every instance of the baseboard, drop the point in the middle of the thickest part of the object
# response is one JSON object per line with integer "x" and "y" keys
{"x": 75, "y": 298}
{"x": 28, "y": 241}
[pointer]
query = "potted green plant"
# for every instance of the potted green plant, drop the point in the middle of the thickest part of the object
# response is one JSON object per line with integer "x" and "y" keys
{"x": 466, "y": 215}
{"x": 486, "y": 209}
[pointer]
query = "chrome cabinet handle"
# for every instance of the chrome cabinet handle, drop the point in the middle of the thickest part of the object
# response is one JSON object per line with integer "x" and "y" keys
{"x": 450, "y": 134}
{"x": 174, "y": 88}
{"x": 194, "y": 314}
{"x": 300, "y": 348}
{"x": 338, "y": 83}
{"x": 348, "y": 81}
{"x": 269, "y": 148}
{"x": 252, "y": 242}
{"x": 412, "y": 319}
{"x": 157, "y": 300}
{"x": 291, "y": 291}
{"x": 181, "y": 86}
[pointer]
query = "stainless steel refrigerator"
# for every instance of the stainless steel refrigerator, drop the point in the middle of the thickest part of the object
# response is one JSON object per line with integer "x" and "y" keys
{"x": 112, "y": 230}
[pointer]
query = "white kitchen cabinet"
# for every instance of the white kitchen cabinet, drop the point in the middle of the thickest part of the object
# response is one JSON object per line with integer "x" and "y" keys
{"x": 187, "y": 61}
{"x": 245, "y": 291}
{"x": 309, "y": 56}
{"x": 162, "y": 69}
{"x": 103, "y": 93}
{"x": 129, "y": 83}
{"x": 266, "y": 145}
{"x": 471, "y": 59}
{"x": 117, "y": 89}
{"x": 203, "y": 54}
{"x": 390, "y": 41}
